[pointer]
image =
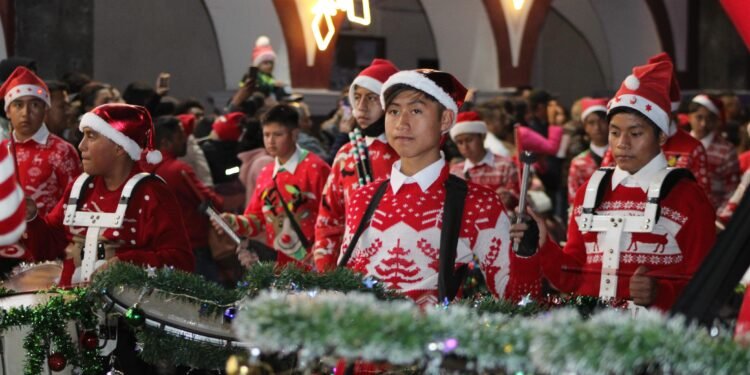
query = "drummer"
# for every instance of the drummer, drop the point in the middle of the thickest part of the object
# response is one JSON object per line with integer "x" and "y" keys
{"x": 113, "y": 211}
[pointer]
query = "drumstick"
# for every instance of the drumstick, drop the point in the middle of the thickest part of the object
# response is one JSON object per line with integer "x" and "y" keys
{"x": 580, "y": 270}
{"x": 214, "y": 216}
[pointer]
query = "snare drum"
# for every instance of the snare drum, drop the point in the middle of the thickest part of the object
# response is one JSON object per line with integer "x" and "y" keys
{"x": 13, "y": 355}
{"x": 33, "y": 277}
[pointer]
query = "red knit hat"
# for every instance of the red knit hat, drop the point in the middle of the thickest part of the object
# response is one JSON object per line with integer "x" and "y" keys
{"x": 12, "y": 204}
{"x": 646, "y": 90}
{"x": 591, "y": 105}
{"x": 23, "y": 82}
{"x": 227, "y": 127}
{"x": 373, "y": 77}
{"x": 674, "y": 86}
{"x": 188, "y": 122}
{"x": 468, "y": 123}
{"x": 442, "y": 86}
{"x": 712, "y": 104}
{"x": 263, "y": 51}
{"x": 127, "y": 125}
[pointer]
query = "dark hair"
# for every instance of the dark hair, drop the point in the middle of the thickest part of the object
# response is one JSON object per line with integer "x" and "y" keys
{"x": 184, "y": 106}
{"x": 54, "y": 86}
{"x": 398, "y": 88}
{"x": 252, "y": 135}
{"x": 203, "y": 127}
{"x": 283, "y": 114}
{"x": 88, "y": 94}
{"x": 538, "y": 97}
{"x": 612, "y": 112}
{"x": 138, "y": 93}
{"x": 165, "y": 127}
{"x": 76, "y": 81}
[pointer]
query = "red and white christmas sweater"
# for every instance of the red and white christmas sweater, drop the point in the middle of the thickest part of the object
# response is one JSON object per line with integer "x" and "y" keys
{"x": 341, "y": 184}
{"x": 726, "y": 212}
{"x": 494, "y": 172}
{"x": 152, "y": 233}
{"x": 681, "y": 238}
{"x": 46, "y": 165}
{"x": 681, "y": 151}
{"x": 401, "y": 245}
{"x": 300, "y": 182}
{"x": 581, "y": 169}
{"x": 723, "y": 169}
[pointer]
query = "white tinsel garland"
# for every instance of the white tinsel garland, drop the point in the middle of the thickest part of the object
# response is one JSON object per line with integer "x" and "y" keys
{"x": 357, "y": 326}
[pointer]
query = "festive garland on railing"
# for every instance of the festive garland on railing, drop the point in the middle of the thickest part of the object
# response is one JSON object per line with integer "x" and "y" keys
{"x": 48, "y": 338}
{"x": 357, "y": 326}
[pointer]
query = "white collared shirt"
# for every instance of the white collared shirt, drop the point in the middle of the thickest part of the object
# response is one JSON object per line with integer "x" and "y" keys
{"x": 40, "y": 136}
{"x": 290, "y": 165}
{"x": 707, "y": 140}
{"x": 599, "y": 151}
{"x": 425, "y": 178}
{"x": 643, "y": 177}
{"x": 381, "y": 138}
{"x": 488, "y": 159}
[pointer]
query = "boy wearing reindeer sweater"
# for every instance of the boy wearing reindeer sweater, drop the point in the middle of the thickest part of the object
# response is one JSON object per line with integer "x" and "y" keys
{"x": 401, "y": 242}
{"x": 641, "y": 230}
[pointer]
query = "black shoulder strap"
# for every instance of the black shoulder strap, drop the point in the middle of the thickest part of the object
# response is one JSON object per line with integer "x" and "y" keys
{"x": 603, "y": 186}
{"x": 295, "y": 225}
{"x": 449, "y": 280}
{"x": 670, "y": 181}
{"x": 365, "y": 222}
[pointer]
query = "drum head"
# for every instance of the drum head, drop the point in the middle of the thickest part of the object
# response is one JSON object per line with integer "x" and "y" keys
{"x": 30, "y": 278}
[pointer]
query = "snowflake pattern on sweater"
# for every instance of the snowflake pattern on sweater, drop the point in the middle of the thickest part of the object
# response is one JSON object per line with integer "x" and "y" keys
{"x": 341, "y": 184}
{"x": 581, "y": 168}
{"x": 401, "y": 245}
{"x": 723, "y": 171}
{"x": 502, "y": 174}
{"x": 680, "y": 240}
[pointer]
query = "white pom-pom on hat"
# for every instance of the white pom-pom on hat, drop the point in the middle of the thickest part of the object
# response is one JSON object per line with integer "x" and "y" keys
{"x": 262, "y": 41}
{"x": 153, "y": 157}
{"x": 632, "y": 82}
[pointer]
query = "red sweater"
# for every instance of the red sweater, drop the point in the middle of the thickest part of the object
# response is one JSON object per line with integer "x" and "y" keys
{"x": 402, "y": 243}
{"x": 681, "y": 239}
{"x": 196, "y": 223}
{"x": 341, "y": 184}
{"x": 581, "y": 169}
{"x": 501, "y": 174}
{"x": 301, "y": 191}
{"x": 723, "y": 171}
{"x": 150, "y": 235}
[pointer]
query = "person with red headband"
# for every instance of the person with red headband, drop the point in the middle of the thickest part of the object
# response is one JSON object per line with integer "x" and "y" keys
{"x": 113, "y": 211}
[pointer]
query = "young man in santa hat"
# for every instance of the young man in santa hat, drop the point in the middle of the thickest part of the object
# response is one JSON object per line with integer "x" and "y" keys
{"x": 418, "y": 231}
{"x": 706, "y": 115}
{"x": 480, "y": 166}
{"x": 681, "y": 149}
{"x": 363, "y": 160}
{"x": 641, "y": 230}
{"x": 594, "y": 120}
{"x": 113, "y": 211}
{"x": 286, "y": 198}
{"x": 46, "y": 162}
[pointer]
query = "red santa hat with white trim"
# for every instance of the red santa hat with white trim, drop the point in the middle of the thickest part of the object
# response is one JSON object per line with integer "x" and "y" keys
{"x": 712, "y": 104}
{"x": 23, "y": 82}
{"x": 373, "y": 77}
{"x": 646, "y": 90}
{"x": 12, "y": 203}
{"x": 468, "y": 123}
{"x": 674, "y": 86}
{"x": 591, "y": 105}
{"x": 442, "y": 86}
{"x": 129, "y": 126}
{"x": 262, "y": 51}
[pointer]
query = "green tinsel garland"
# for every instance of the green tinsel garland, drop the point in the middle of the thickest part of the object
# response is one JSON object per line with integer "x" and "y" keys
{"x": 358, "y": 326}
{"x": 48, "y": 322}
{"x": 178, "y": 351}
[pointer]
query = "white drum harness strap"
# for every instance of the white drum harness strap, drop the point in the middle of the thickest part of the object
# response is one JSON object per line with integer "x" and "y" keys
{"x": 96, "y": 221}
{"x": 614, "y": 226}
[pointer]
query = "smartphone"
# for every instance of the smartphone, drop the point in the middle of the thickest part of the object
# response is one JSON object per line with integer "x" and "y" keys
{"x": 252, "y": 77}
{"x": 163, "y": 82}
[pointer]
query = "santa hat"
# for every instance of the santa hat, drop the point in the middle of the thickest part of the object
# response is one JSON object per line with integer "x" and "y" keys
{"x": 263, "y": 51}
{"x": 188, "y": 122}
{"x": 227, "y": 127}
{"x": 372, "y": 77}
{"x": 442, "y": 86}
{"x": 129, "y": 126}
{"x": 646, "y": 90}
{"x": 468, "y": 123}
{"x": 712, "y": 104}
{"x": 12, "y": 203}
{"x": 674, "y": 86}
{"x": 23, "y": 82}
{"x": 591, "y": 105}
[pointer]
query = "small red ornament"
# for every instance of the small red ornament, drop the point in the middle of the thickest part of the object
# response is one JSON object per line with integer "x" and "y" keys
{"x": 89, "y": 340}
{"x": 56, "y": 361}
